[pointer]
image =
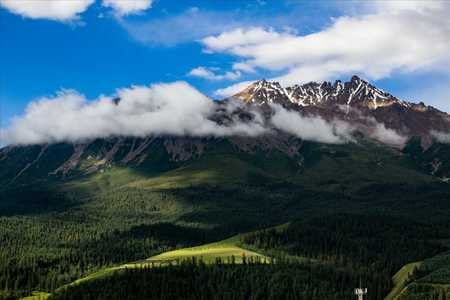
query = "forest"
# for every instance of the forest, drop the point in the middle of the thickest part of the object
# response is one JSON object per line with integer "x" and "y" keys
{"x": 280, "y": 280}
{"x": 354, "y": 223}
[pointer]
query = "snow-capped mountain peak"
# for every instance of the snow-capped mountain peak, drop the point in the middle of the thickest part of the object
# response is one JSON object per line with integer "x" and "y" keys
{"x": 356, "y": 92}
{"x": 263, "y": 91}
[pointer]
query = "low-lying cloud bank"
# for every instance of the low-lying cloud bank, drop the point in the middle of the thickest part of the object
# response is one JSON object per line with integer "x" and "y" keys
{"x": 386, "y": 135}
{"x": 161, "y": 109}
{"x": 175, "y": 109}
{"x": 441, "y": 137}
{"x": 311, "y": 128}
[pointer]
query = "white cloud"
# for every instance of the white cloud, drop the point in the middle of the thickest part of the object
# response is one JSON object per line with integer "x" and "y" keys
{"x": 128, "y": 7}
{"x": 161, "y": 109}
{"x": 311, "y": 128}
{"x": 234, "y": 40}
{"x": 401, "y": 5}
{"x": 209, "y": 74}
{"x": 386, "y": 135}
{"x": 58, "y": 10}
{"x": 167, "y": 109}
{"x": 232, "y": 89}
{"x": 441, "y": 137}
{"x": 70, "y": 10}
{"x": 395, "y": 37}
{"x": 172, "y": 109}
{"x": 243, "y": 67}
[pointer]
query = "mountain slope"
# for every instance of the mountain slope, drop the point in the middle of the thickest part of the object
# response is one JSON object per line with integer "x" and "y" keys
{"x": 226, "y": 251}
{"x": 371, "y": 113}
{"x": 70, "y": 209}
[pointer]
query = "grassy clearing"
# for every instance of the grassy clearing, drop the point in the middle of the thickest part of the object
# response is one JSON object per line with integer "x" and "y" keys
{"x": 433, "y": 281}
{"x": 37, "y": 296}
{"x": 424, "y": 291}
{"x": 208, "y": 253}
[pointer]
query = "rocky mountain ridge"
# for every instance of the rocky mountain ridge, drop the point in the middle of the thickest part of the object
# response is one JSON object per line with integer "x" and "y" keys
{"x": 356, "y": 92}
{"x": 355, "y": 101}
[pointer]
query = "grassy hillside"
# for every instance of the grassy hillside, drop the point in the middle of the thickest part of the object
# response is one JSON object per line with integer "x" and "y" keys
{"x": 226, "y": 251}
{"x": 401, "y": 279}
{"x": 367, "y": 247}
{"x": 370, "y": 247}
{"x": 430, "y": 280}
{"x": 60, "y": 229}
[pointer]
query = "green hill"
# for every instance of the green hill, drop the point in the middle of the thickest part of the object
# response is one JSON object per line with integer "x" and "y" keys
{"x": 226, "y": 251}
{"x": 430, "y": 280}
{"x": 335, "y": 251}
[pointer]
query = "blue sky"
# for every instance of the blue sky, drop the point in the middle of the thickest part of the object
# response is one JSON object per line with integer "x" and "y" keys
{"x": 99, "y": 48}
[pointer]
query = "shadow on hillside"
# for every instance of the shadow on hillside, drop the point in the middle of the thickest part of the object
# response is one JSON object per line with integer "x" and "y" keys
{"x": 145, "y": 240}
{"x": 35, "y": 201}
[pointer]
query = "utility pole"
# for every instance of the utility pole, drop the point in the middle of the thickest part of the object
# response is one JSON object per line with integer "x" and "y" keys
{"x": 360, "y": 292}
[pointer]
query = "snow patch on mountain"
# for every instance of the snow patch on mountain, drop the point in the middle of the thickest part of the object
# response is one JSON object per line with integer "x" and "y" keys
{"x": 355, "y": 92}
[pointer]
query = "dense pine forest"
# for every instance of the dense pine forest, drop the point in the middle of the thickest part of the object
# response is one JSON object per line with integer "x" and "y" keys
{"x": 373, "y": 246}
{"x": 321, "y": 258}
{"x": 220, "y": 281}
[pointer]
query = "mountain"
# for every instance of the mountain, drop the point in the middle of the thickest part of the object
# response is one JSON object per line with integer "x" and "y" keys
{"x": 354, "y": 101}
{"x": 356, "y": 92}
{"x": 72, "y": 208}
{"x": 372, "y": 113}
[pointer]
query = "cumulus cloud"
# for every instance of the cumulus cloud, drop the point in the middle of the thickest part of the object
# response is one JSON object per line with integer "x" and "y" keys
{"x": 234, "y": 40}
{"x": 393, "y": 37}
{"x": 70, "y": 10}
{"x": 128, "y": 7}
{"x": 58, "y": 10}
{"x": 208, "y": 73}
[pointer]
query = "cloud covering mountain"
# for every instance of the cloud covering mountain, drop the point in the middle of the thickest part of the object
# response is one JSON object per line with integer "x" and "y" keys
{"x": 173, "y": 109}
{"x": 161, "y": 109}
